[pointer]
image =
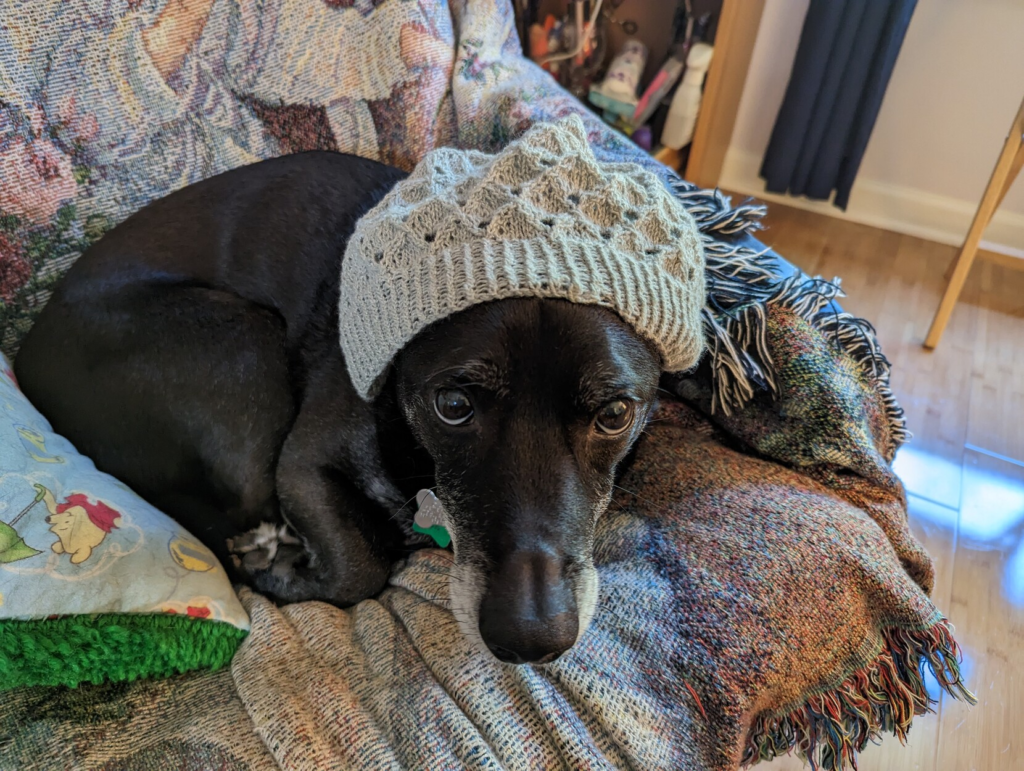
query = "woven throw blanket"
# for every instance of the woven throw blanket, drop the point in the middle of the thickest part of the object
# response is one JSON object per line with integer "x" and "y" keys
{"x": 761, "y": 591}
{"x": 746, "y": 607}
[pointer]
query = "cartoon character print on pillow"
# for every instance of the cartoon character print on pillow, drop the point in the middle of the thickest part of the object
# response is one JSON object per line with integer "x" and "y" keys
{"x": 191, "y": 555}
{"x": 62, "y": 531}
{"x": 75, "y": 540}
{"x": 194, "y": 607}
{"x": 12, "y": 545}
{"x": 34, "y": 442}
{"x": 79, "y": 524}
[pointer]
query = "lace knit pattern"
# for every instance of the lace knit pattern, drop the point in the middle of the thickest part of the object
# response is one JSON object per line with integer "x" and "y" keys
{"x": 542, "y": 218}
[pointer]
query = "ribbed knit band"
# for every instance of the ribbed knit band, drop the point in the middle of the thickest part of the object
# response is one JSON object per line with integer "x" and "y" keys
{"x": 467, "y": 228}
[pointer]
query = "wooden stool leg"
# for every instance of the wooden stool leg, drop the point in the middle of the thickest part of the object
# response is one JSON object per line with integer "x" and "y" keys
{"x": 1010, "y": 161}
{"x": 1015, "y": 167}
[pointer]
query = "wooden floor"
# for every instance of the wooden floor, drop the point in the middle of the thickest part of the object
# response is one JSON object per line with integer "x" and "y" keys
{"x": 964, "y": 469}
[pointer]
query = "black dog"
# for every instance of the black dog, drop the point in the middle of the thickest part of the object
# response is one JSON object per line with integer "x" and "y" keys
{"x": 193, "y": 352}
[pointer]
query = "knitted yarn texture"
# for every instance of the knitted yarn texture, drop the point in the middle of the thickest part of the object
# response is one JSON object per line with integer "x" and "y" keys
{"x": 541, "y": 218}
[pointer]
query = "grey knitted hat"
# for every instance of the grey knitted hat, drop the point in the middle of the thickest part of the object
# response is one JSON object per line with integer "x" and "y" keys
{"x": 542, "y": 218}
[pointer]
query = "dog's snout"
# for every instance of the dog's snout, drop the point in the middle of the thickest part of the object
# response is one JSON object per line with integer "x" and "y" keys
{"x": 529, "y": 612}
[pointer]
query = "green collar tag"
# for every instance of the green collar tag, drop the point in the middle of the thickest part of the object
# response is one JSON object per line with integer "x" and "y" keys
{"x": 430, "y": 519}
{"x": 437, "y": 532}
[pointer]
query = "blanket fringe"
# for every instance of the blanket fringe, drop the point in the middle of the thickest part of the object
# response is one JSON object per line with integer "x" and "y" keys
{"x": 742, "y": 284}
{"x": 812, "y": 299}
{"x": 883, "y": 697}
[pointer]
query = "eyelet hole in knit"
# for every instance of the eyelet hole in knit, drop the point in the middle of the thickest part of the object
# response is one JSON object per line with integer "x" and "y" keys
{"x": 574, "y": 199}
{"x": 675, "y": 233}
{"x": 378, "y": 257}
{"x": 651, "y": 252}
{"x": 483, "y": 225}
{"x": 632, "y": 215}
{"x": 429, "y": 237}
{"x": 548, "y": 222}
{"x": 516, "y": 190}
{"x": 606, "y": 234}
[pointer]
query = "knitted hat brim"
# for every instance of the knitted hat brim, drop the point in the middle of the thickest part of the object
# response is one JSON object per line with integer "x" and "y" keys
{"x": 583, "y": 273}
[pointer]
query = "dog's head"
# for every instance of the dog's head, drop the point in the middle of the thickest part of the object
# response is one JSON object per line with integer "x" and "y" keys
{"x": 62, "y": 524}
{"x": 526, "y": 406}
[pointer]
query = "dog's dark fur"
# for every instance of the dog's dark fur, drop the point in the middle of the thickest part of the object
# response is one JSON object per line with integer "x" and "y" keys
{"x": 193, "y": 353}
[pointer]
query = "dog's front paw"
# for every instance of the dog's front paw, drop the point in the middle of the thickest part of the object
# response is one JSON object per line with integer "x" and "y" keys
{"x": 261, "y": 549}
{"x": 276, "y": 563}
{"x": 273, "y": 560}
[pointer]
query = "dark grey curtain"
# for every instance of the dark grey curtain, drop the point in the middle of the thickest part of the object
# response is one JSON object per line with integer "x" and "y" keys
{"x": 847, "y": 52}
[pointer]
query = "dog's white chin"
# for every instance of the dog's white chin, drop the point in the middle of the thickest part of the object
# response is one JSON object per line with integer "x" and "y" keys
{"x": 586, "y": 590}
{"x": 466, "y": 590}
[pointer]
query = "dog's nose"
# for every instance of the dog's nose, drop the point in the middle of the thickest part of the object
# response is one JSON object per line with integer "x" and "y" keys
{"x": 529, "y": 612}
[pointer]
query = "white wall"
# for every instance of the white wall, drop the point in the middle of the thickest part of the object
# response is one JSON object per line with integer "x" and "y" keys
{"x": 957, "y": 85}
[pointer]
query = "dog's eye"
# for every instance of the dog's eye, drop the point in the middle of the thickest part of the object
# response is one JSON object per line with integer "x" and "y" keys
{"x": 614, "y": 417}
{"x": 453, "y": 406}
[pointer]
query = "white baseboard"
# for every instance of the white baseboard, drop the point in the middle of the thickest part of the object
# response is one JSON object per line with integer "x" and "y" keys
{"x": 891, "y": 207}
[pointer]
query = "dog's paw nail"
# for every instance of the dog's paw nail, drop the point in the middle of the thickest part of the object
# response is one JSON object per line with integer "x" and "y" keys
{"x": 256, "y": 560}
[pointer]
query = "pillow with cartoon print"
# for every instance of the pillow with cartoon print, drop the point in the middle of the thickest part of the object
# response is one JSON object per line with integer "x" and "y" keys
{"x": 96, "y": 584}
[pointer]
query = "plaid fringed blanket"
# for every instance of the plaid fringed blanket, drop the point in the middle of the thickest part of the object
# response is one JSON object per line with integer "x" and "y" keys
{"x": 760, "y": 589}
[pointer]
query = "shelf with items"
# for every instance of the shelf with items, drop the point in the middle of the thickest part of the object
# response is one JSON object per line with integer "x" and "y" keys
{"x": 641, "y": 46}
